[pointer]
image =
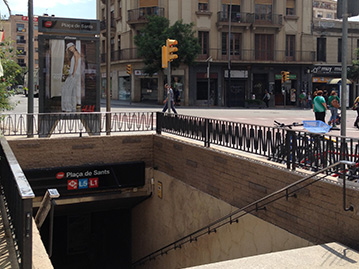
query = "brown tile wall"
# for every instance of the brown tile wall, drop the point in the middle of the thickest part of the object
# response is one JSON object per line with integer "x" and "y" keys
{"x": 53, "y": 152}
{"x": 316, "y": 214}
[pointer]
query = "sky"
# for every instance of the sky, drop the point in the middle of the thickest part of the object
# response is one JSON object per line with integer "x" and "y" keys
{"x": 81, "y": 9}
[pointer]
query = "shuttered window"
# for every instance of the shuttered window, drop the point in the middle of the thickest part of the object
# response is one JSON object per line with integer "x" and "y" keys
{"x": 148, "y": 3}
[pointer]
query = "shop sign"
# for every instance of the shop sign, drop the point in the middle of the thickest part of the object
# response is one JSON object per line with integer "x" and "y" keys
{"x": 327, "y": 70}
{"x": 321, "y": 79}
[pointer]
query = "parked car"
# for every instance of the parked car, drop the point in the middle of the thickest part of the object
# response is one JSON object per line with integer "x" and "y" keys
{"x": 19, "y": 89}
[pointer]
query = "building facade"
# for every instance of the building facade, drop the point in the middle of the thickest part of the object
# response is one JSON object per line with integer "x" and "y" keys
{"x": 244, "y": 47}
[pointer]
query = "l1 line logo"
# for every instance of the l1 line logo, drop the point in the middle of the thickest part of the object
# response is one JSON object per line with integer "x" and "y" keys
{"x": 83, "y": 183}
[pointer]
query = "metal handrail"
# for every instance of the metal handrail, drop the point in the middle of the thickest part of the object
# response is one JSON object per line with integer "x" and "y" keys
{"x": 259, "y": 204}
{"x": 18, "y": 196}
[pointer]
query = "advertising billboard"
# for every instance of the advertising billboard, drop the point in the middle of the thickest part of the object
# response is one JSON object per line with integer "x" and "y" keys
{"x": 69, "y": 78}
{"x": 69, "y": 69}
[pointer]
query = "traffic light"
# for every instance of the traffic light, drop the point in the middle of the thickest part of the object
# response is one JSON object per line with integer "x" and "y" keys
{"x": 128, "y": 69}
{"x": 164, "y": 57}
{"x": 171, "y": 49}
{"x": 353, "y": 8}
{"x": 285, "y": 76}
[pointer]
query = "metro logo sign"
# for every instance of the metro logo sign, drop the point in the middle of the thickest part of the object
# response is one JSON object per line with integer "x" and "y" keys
{"x": 48, "y": 24}
{"x": 72, "y": 184}
{"x": 60, "y": 175}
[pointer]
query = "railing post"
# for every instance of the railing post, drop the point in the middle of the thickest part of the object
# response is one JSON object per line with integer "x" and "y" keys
{"x": 207, "y": 134}
{"x": 289, "y": 145}
{"x": 159, "y": 119}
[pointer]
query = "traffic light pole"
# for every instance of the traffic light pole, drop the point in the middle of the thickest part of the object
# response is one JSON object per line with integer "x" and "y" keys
{"x": 343, "y": 93}
{"x": 169, "y": 86}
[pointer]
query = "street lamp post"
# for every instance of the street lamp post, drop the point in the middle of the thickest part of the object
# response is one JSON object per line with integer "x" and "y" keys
{"x": 343, "y": 92}
{"x": 209, "y": 60}
{"x": 30, "y": 98}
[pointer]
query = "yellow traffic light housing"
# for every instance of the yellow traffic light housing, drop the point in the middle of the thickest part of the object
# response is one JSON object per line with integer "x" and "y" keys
{"x": 164, "y": 57}
{"x": 128, "y": 69}
{"x": 171, "y": 49}
{"x": 285, "y": 76}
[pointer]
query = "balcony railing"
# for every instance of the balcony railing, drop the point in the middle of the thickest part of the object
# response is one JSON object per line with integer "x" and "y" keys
{"x": 249, "y": 18}
{"x": 118, "y": 55}
{"x": 104, "y": 23}
{"x": 140, "y": 14}
{"x": 258, "y": 56}
{"x": 236, "y": 17}
{"x": 21, "y": 41}
{"x": 268, "y": 19}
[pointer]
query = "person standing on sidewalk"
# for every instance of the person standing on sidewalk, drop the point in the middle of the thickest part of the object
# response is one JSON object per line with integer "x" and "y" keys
{"x": 169, "y": 99}
{"x": 319, "y": 106}
{"x": 333, "y": 102}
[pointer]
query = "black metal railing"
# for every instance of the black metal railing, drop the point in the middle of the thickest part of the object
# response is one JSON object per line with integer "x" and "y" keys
{"x": 252, "y": 55}
{"x": 250, "y": 18}
{"x": 94, "y": 123}
{"x": 290, "y": 191}
{"x": 294, "y": 148}
{"x": 119, "y": 55}
{"x": 17, "y": 195}
{"x": 140, "y": 14}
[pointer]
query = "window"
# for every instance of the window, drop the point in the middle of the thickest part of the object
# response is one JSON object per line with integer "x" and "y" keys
{"x": 21, "y": 62}
{"x": 264, "y": 47}
{"x": 36, "y": 27}
{"x": 236, "y": 11}
{"x": 290, "y": 8}
{"x": 339, "y": 50}
{"x": 235, "y": 44}
{"x": 20, "y": 27}
{"x": 319, "y": 14}
{"x": 203, "y": 5}
{"x": 203, "y": 42}
{"x": 119, "y": 8}
{"x": 119, "y": 42}
{"x": 321, "y": 49}
{"x": 290, "y": 47}
{"x": 20, "y": 39}
{"x": 21, "y": 51}
{"x": 263, "y": 10}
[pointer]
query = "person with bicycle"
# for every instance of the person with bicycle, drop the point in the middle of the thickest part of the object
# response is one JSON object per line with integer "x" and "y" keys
{"x": 319, "y": 106}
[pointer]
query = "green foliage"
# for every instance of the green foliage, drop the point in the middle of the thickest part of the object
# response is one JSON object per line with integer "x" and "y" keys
{"x": 151, "y": 39}
{"x": 13, "y": 74}
{"x": 353, "y": 71}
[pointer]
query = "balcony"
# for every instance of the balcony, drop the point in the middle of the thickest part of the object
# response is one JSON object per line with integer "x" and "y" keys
{"x": 119, "y": 55}
{"x": 20, "y": 30}
{"x": 139, "y": 16}
{"x": 268, "y": 20}
{"x": 259, "y": 56}
{"x": 21, "y": 53}
{"x": 103, "y": 26}
{"x": 21, "y": 41}
{"x": 237, "y": 19}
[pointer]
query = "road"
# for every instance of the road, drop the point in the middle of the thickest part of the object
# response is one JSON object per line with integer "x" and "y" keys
{"x": 253, "y": 116}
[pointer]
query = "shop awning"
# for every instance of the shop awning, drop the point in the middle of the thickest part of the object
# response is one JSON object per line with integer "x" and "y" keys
{"x": 338, "y": 81}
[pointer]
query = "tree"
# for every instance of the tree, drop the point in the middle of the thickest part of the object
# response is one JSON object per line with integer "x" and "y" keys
{"x": 151, "y": 39}
{"x": 12, "y": 73}
{"x": 353, "y": 71}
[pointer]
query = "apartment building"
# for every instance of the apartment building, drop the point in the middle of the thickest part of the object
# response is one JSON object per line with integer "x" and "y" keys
{"x": 19, "y": 34}
{"x": 244, "y": 44}
{"x": 325, "y": 9}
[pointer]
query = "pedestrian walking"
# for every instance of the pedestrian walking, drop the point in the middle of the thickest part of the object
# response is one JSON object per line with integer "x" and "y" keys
{"x": 169, "y": 99}
{"x": 309, "y": 100}
{"x": 302, "y": 99}
{"x": 356, "y": 107}
{"x": 333, "y": 102}
{"x": 266, "y": 98}
{"x": 319, "y": 106}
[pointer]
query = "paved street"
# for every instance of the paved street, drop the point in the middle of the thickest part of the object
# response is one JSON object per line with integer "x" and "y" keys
{"x": 254, "y": 116}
